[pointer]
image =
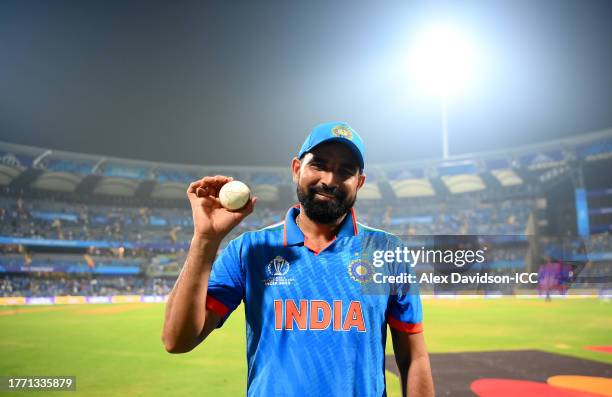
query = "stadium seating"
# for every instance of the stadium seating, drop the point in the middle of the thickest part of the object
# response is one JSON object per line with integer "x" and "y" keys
{"x": 87, "y": 225}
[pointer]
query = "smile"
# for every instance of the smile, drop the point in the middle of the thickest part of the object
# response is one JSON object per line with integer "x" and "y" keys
{"x": 326, "y": 196}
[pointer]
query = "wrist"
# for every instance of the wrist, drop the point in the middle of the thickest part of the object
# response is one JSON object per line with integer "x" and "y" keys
{"x": 203, "y": 250}
{"x": 205, "y": 241}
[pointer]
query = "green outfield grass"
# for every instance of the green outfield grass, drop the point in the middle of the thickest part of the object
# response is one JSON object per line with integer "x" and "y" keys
{"x": 115, "y": 350}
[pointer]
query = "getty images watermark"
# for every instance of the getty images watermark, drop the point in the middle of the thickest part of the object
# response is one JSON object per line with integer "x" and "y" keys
{"x": 496, "y": 264}
{"x": 457, "y": 258}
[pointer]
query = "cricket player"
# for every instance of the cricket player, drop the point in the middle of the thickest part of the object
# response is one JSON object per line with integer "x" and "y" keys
{"x": 310, "y": 328}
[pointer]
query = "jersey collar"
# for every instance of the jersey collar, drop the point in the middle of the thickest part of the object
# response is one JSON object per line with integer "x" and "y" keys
{"x": 292, "y": 234}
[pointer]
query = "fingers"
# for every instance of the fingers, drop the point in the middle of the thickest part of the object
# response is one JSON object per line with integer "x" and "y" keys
{"x": 248, "y": 208}
{"x": 208, "y": 186}
{"x": 251, "y": 204}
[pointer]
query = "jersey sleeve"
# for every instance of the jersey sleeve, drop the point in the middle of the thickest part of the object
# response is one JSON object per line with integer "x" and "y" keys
{"x": 405, "y": 312}
{"x": 226, "y": 286}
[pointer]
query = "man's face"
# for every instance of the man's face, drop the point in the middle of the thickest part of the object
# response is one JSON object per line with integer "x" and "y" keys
{"x": 327, "y": 179}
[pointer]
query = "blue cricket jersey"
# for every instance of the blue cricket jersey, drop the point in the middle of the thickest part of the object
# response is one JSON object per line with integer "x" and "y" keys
{"x": 311, "y": 329}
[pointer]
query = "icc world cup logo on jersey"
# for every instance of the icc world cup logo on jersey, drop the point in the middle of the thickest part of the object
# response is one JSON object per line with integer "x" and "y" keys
{"x": 277, "y": 270}
{"x": 278, "y": 267}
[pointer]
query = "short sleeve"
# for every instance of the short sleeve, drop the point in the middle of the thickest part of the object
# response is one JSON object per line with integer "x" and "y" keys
{"x": 405, "y": 312}
{"x": 226, "y": 283}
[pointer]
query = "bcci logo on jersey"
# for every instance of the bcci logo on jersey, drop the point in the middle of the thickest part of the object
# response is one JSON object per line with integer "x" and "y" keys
{"x": 360, "y": 271}
{"x": 277, "y": 269}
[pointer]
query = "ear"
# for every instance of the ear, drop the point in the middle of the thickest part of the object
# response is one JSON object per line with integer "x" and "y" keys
{"x": 361, "y": 181}
{"x": 295, "y": 169}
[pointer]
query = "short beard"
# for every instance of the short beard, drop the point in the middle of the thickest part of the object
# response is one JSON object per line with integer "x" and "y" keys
{"x": 328, "y": 211}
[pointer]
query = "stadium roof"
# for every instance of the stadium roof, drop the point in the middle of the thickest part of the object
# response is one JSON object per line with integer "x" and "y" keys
{"x": 24, "y": 166}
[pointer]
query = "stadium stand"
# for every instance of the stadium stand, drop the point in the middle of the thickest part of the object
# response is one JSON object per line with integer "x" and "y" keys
{"x": 77, "y": 224}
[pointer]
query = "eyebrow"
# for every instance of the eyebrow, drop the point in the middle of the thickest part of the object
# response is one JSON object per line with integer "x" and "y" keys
{"x": 343, "y": 165}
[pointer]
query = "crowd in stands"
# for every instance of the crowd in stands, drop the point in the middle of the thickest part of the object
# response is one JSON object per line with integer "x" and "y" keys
{"x": 158, "y": 267}
{"x": 44, "y": 286}
{"x": 64, "y": 221}
{"x": 476, "y": 218}
{"x": 502, "y": 254}
{"x": 600, "y": 242}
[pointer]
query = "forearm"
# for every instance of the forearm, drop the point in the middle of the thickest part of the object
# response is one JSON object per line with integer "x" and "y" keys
{"x": 186, "y": 307}
{"x": 420, "y": 382}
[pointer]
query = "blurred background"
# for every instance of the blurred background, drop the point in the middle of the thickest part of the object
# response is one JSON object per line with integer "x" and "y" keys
{"x": 480, "y": 118}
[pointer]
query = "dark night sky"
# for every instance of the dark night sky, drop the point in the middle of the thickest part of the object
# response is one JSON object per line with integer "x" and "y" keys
{"x": 241, "y": 83}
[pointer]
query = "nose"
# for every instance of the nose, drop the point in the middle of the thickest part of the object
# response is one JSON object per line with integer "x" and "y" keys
{"x": 328, "y": 178}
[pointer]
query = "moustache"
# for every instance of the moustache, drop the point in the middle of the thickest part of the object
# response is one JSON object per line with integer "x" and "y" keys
{"x": 327, "y": 190}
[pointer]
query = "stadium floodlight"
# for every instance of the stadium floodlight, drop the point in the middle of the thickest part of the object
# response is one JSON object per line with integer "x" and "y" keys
{"x": 442, "y": 62}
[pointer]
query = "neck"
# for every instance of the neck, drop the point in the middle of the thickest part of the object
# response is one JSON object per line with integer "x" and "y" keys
{"x": 314, "y": 230}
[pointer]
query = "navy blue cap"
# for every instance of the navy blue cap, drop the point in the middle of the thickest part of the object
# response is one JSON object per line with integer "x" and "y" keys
{"x": 335, "y": 132}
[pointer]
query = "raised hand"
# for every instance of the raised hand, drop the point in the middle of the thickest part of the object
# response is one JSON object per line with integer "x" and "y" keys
{"x": 211, "y": 221}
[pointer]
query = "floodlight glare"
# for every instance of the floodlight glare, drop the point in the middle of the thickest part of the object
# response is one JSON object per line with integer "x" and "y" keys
{"x": 442, "y": 60}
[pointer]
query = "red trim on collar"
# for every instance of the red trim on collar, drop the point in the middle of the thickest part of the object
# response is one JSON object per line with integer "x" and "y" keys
{"x": 285, "y": 228}
{"x": 315, "y": 251}
{"x": 355, "y": 229}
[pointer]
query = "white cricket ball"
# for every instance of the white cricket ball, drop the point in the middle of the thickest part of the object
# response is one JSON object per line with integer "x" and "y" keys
{"x": 234, "y": 195}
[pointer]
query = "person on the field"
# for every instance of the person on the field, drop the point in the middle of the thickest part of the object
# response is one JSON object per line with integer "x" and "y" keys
{"x": 311, "y": 330}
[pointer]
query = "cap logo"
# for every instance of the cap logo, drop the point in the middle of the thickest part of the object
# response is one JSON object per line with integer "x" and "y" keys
{"x": 342, "y": 131}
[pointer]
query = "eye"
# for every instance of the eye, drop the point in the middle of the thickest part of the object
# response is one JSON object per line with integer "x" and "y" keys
{"x": 347, "y": 172}
{"x": 317, "y": 165}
